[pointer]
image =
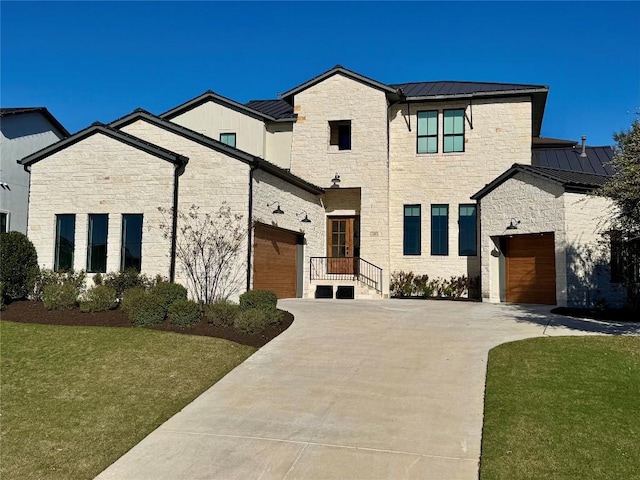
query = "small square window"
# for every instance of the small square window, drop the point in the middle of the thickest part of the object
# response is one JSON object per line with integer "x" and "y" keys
{"x": 340, "y": 134}
{"x": 228, "y": 139}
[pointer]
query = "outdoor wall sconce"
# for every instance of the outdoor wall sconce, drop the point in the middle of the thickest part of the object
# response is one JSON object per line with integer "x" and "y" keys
{"x": 278, "y": 210}
{"x": 513, "y": 225}
{"x": 336, "y": 181}
{"x": 306, "y": 217}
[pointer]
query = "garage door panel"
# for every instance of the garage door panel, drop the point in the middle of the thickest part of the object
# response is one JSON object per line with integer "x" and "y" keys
{"x": 275, "y": 261}
{"x": 530, "y": 269}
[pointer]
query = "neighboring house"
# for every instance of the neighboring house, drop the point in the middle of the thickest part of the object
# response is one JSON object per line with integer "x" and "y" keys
{"x": 24, "y": 131}
{"x": 416, "y": 177}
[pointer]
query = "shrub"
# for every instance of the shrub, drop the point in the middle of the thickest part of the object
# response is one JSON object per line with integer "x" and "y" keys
{"x": 49, "y": 277}
{"x": 122, "y": 281}
{"x": 99, "y": 299}
{"x": 184, "y": 313}
{"x": 261, "y": 299}
{"x": 401, "y": 284}
{"x": 251, "y": 321}
{"x": 148, "y": 310}
{"x": 130, "y": 297}
{"x": 222, "y": 313}
{"x": 60, "y": 296}
{"x": 1, "y": 295}
{"x": 169, "y": 292}
{"x": 18, "y": 264}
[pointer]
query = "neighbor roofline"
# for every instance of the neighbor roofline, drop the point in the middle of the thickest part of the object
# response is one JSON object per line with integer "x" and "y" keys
{"x": 44, "y": 111}
{"x": 155, "y": 150}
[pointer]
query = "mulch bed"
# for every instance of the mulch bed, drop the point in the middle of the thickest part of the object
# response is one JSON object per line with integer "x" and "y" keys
{"x": 608, "y": 314}
{"x": 34, "y": 312}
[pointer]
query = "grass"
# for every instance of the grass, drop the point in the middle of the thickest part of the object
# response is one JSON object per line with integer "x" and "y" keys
{"x": 74, "y": 399}
{"x": 563, "y": 408}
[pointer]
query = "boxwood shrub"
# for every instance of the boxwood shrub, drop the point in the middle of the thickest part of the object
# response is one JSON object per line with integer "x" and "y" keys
{"x": 251, "y": 321}
{"x": 130, "y": 297}
{"x": 60, "y": 296}
{"x": 222, "y": 313}
{"x": 148, "y": 309}
{"x": 169, "y": 292}
{"x": 261, "y": 299}
{"x": 184, "y": 313}
{"x": 18, "y": 265}
{"x": 99, "y": 299}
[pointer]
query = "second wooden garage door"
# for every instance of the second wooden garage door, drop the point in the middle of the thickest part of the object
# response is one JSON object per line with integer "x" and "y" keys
{"x": 531, "y": 269}
{"x": 275, "y": 261}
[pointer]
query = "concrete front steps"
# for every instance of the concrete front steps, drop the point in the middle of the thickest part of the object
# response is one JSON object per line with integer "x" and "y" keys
{"x": 342, "y": 289}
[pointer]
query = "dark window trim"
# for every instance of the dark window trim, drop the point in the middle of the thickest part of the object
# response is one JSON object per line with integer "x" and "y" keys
{"x": 439, "y": 205}
{"x": 56, "y": 246}
{"x": 235, "y": 138}
{"x": 338, "y": 125}
{"x": 122, "y": 240}
{"x": 90, "y": 244}
{"x": 404, "y": 226}
{"x": 5, "y": 228}
{"x": 418, "y": 136}
{"x": 463, "y": 134}
{"x": 460, "y": 254}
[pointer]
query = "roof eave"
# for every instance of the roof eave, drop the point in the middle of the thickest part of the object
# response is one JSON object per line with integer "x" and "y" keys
{"x": 505, "y": 93}
{"x": 219, "y": 99}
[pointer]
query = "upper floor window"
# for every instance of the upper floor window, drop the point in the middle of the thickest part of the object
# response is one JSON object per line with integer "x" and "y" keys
{"x": 428, "y": 132}
{"x": 412, "y": 233}
{"x": 228, "y": 139}
{"x": 97, "y": 244}
{"x": 439, "y": 229}
{"x": 65, "y": 242}
{"x": 340, "y": 134}
{"x": 468, "y": 235}
{"x": 453, "y": 131}
{"x": 131, "y": 256}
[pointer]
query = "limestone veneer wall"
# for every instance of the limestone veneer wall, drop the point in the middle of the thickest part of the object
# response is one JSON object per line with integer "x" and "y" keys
{"x": 210, "y": 178}
{"x": 268, "y": 189}
{"x": 501, "y": 136}
{"x": 101, "y": 175}
{"x": 364, "y": 166}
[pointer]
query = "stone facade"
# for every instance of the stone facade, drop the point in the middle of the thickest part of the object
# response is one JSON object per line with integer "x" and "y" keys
{"x": 101, "y": 175}
{"x": 365, "y": 165}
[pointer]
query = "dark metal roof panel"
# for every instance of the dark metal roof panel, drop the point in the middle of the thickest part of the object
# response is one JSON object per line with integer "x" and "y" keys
{"x": 548, "y": 142}
{"x": 598, "y": 160}
{"x": 432, "y": 89}
{"x": 278, "y": 109}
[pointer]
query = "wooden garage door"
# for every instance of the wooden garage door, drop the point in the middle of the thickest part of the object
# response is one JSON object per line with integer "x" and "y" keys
{"x": 531, "y": 269}
{"x": 275, "y": 261}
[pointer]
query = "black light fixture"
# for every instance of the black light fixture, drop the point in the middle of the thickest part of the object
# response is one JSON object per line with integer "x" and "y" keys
{"x": 306, "y": 217}
{"x": 513, "y": 224}
{"x": 336, "y": 181}
{"x": 278, "y": 210}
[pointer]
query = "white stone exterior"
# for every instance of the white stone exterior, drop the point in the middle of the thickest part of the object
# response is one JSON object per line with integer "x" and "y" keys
{"x": 364, "y": 166}
{"x": 101, "y": 175}
{"x": 21, "y": 135}
{"x": 501, "y": 136}
{"x": 293, "y": 200}
{"x": 577, "y": 222}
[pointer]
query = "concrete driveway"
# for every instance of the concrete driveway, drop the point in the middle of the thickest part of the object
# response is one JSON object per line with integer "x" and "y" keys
{"x": 354, "y": 389}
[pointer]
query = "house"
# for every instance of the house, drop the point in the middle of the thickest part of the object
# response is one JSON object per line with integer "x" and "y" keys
{"x": 24, "y": 131}
{"x": 342, "y": 180}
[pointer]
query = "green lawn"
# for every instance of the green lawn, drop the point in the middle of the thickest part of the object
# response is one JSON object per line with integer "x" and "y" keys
{"x": 74, "y": 399}
{"x": 563, "y": 408}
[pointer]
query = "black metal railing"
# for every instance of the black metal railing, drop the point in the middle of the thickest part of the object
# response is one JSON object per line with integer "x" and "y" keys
{"x": 346, "y": 268}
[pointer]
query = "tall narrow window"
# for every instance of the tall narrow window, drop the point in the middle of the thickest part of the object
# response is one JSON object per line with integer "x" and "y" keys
{"x": 65, "y": 242}
{"x": 453, "y": 131}
{"x": 97, "y": 245}
{"x": 228, "y": 139}
{"x": 340, "y": 134}
{"x": 412, "y": 234}
{"x": 428, "y": 132}
{"x": 4, "y": 222}
{"x": 439, "y": 229}
{"x": 131, "y": 256}
{"x": 468, "y": 236}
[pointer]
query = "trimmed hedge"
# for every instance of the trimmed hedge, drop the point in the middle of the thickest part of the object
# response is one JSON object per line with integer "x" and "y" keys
{"x": 251, "y": 321}
{"x": 123, "y": 281}
{"x": 99, "y": 299}
{"x": 261, "y": 299}
{"x": 130, "y": 297}
{"x": 184, "y": 313}
{"x": 149, "y": 309}
{"x": 18, "y": 265}
{"x": 48, "y": 277}
{"x": 222, "y": 313}
{"x": 169, "y": 292}
{"x": 60, "y": 296}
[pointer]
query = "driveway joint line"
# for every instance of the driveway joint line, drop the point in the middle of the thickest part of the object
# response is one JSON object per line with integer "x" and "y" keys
{"x": 293, "y": 465}
{"x": 319, "y": 444}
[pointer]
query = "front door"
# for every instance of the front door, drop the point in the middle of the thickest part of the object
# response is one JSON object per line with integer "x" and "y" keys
{"x": 341, "y": 245}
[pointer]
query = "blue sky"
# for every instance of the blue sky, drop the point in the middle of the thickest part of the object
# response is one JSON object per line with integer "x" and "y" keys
{"x": 89, "y": 61}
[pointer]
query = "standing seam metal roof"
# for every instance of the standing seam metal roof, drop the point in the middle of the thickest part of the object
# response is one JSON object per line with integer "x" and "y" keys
{"x": 597, "y": 161}
{"x": 278, "y": 109}
{"x": 444, "y": 88}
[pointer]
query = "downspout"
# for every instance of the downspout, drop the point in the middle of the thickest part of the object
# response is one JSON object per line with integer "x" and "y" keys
{"x": 179, "y": 170}
{"x": 252, "y": 169}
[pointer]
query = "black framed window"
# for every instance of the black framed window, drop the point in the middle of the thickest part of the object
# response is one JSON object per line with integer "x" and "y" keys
{"x": 4, "y": 222}
{"x": 228, "y": 139}
{"x": 453, "y": 131}
{"x": 65, "y": 242}
{"x": 439, "y": 229}
{"x": 427, "y": 132}
{"x": 340, "y": 134}
{"x": 131, "y": 256}
{"x": 412, "y": 230}
{"x": 97, "y": 244}
{"x": 468, "y": 231}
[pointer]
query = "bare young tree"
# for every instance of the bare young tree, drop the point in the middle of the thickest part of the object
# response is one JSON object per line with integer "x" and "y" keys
{"x": 208, "y": 248}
